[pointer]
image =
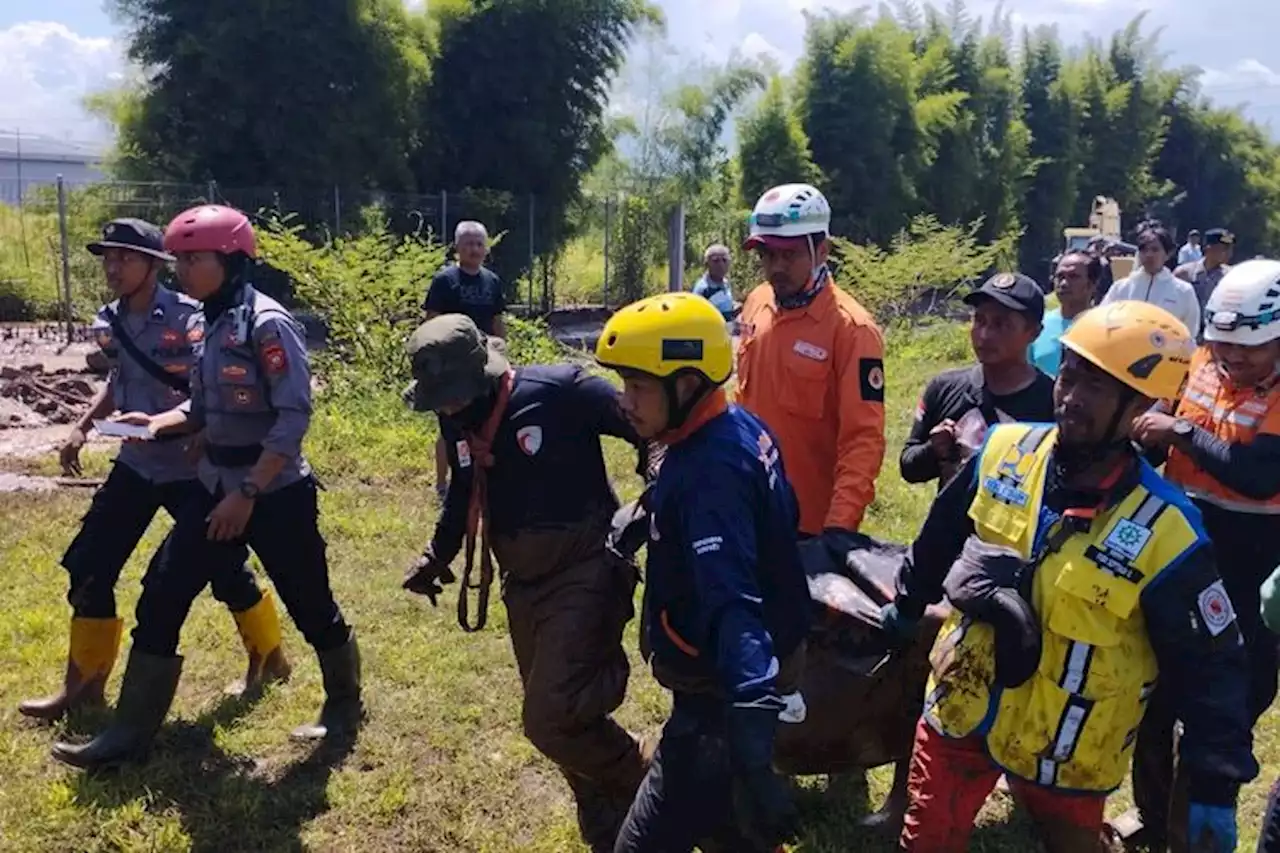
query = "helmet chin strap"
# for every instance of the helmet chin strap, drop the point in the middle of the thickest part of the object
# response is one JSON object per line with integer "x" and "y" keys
{"x": 818, "y": 273}
{"x": 1073, "y": 460}
{"x": 678, "y": 413}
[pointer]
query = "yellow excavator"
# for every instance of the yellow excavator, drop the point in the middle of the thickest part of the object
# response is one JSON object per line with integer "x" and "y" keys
{"x": 1104, "y": 222}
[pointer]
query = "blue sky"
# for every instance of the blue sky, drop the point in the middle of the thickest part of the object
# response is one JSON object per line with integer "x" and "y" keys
{"x": 52, "y": 52}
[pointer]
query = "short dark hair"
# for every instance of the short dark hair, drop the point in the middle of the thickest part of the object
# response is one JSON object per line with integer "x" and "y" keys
{"x": 1093, "y": 264}
{"x": 1156, "y": 232}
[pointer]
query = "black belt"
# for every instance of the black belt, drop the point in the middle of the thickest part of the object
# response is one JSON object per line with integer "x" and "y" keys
{"x": 233, "y": 455}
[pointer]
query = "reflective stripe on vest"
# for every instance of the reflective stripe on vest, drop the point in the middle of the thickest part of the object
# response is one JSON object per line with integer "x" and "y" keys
{"x": 1072, "y": 725}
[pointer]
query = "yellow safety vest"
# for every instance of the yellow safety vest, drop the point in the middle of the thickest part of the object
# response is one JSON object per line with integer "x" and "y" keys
{"x": 1072, "y": 725}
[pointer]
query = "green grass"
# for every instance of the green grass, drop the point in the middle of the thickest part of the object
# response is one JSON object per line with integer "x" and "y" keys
{"x": 441, "y": 764}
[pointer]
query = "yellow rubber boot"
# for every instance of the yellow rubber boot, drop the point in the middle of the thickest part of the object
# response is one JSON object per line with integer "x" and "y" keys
{"x": 259, "y": 628}
{"x": 94, "y": 646}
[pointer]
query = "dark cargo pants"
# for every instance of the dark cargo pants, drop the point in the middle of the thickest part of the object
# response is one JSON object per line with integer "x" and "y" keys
{"x": 568, "y": 601}
{"x": 121, "y": 510}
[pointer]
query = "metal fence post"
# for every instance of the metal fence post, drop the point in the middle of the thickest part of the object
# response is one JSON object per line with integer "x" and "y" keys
{"x": 212, "y": 191}
{"x": 337, "y": 211}
{"x": 444, "y": 217}
{"x": 675, "y": 250}
{"x": 66, "y": 257}
{"x": 608, "y": 238}
{"x": 533, "y": 256}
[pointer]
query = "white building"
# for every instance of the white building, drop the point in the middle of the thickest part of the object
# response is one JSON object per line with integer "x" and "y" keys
{"x": 28, "y": 161}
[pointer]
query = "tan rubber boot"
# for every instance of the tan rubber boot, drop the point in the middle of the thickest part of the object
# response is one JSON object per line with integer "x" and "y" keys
{"x": 92, "y": 654}
{"x": 259, "y": 628}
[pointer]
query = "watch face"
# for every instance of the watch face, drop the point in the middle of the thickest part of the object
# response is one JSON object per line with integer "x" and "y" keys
{"x": 1181, "y": 427}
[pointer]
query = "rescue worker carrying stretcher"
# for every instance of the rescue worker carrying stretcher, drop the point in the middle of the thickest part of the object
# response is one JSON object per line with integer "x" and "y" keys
{"x": 1126, "y": 592}
{"x": 811, "y": 366}
{"x": 251, "y": 394}
{"x": 726, "y": 606}
{"x": 1223, "y": 444}
{"x": 529, "y": 482}
{"x": 148, "y": 336}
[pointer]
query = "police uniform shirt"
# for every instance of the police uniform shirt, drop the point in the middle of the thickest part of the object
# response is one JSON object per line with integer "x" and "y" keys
{"x": 165, "y": 333}
{"x": 252, "y": 389}
{"x": 479, "y": 296}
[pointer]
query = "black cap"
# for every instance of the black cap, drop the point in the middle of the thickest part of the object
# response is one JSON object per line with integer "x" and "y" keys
{"x": 1219, "y": 236}
{"x": 134, "y": 234}
{"x": 1012, "y": 290}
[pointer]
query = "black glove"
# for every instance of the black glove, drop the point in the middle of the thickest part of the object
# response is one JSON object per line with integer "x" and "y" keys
{"x": 427, "y": 576}
{"x": 827, "y": 551}
{"x": 762, "y": 805}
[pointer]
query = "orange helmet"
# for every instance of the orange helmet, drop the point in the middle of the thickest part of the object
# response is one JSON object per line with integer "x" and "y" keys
{"x": 1140, "y": 344}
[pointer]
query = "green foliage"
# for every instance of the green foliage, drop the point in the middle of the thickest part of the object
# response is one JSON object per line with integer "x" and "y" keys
{"x": 922, "y": 267}
{"x": 293, "y": 93}
{"x": 772, "y": 147}
{"x": 368, "y": 289}
{"x": 530, "y": 342}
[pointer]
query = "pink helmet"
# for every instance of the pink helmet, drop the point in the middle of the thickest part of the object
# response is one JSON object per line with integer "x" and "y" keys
{"x": 211, "y": 228}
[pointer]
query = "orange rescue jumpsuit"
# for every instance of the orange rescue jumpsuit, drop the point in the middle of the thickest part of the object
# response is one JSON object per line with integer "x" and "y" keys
{"x": 815, "y": 375}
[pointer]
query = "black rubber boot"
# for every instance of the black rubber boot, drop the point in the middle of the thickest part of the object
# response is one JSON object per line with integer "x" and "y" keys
{"x": 342, "y": 710}
{"x": 145, "y": 697}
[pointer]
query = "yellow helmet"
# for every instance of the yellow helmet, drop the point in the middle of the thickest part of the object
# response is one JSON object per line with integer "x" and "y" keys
{"x": 1140, "y": 344}
{"x": 668, "y": 334}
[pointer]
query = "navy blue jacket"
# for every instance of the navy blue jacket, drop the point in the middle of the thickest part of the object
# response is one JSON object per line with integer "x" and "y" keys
{"x": 548, "y": 470}
{"x": 725, "y": 595}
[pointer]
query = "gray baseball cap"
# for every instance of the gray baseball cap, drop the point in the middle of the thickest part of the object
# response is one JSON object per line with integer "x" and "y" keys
{"x": 453, "y": 362}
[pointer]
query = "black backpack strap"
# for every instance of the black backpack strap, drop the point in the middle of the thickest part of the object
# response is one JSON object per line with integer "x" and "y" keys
{"x": 146, "y": 363}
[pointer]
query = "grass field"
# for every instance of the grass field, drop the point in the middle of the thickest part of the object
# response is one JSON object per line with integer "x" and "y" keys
{"x": 441, "y": 764}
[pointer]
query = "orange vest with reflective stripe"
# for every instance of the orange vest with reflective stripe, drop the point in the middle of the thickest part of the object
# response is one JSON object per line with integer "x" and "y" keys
{"x": 1212, "y": 403}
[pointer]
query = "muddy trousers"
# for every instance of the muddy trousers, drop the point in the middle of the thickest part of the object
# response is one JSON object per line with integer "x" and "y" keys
{"x": 282, "y": 531}
{"x": 566, "y": 630}
{"x": 949, "y": 781}
{"x": 118, "y": 516}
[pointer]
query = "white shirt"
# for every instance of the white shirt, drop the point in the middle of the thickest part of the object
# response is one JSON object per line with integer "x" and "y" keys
{"x": 1189, "y": 253}
{"x": 1172, "y": 294}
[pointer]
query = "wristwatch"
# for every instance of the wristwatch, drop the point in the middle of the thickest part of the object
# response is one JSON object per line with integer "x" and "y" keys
{"x": 248, "y": 489}
{"x": 1183, "y": 428}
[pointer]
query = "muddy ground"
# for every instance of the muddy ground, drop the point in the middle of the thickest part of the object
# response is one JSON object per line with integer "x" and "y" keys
{"x": 44, "y": 386}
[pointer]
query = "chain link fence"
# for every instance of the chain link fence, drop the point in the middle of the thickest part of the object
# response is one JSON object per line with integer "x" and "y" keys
{"x": 619, "y": 248}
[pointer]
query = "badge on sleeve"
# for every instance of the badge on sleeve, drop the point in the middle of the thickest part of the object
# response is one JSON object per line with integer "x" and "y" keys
{"x": 464, "y": 455}
{"x": 274, "y": 360}
{"x": 871, "y": 376}
{"x": 529, "y": 439}
{"x": 1215, "y": 608}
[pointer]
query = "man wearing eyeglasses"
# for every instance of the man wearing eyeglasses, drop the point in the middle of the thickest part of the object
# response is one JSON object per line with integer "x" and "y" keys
{"x": 1074, "y": 281}
{"x": 1223, "y": 445}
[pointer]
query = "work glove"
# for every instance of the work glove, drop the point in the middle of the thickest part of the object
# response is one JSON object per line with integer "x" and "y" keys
{"x": 827, "y": 551}
{"x": 629, "y": 528}
{"x": 427, "y": 576}
{"x": 762, "y": 806}
{"x": 899, "y": 626}
{"x": 1212, "y": 829}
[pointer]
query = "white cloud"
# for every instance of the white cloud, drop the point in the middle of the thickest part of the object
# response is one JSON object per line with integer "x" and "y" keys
{"x": 757, "y": 45}
{"x": 1246, "y": 73}
{"x": 47, "y": 69}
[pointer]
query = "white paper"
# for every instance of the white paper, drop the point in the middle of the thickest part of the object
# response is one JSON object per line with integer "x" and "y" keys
{"x": 114, "y": 429}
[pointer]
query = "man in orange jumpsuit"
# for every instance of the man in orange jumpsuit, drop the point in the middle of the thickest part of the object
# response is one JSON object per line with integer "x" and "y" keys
{"x": 811, "y": 366}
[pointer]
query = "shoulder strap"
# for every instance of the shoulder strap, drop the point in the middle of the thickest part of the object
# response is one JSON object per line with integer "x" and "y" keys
{"x": 146, "y": 363}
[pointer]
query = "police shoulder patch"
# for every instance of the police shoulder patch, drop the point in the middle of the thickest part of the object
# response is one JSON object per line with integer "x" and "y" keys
{"x": 871, "y": 379}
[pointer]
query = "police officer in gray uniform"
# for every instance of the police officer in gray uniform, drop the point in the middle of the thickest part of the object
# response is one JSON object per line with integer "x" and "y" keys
{"x": 251, "y": 394}
{"x": 144, "y": 335}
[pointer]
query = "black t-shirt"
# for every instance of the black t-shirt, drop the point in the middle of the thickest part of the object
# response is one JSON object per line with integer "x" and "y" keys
{"x": 953, "y": 395}
{"x": 479, "y": 296}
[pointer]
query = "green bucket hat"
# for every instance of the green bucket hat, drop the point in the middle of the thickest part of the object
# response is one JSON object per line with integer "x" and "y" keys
{"x": 453, "y": 362}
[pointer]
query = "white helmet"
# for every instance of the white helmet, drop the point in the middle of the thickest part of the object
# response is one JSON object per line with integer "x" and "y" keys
{"x": 1245, "y": 306}
{"x": 787, "y": 212}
